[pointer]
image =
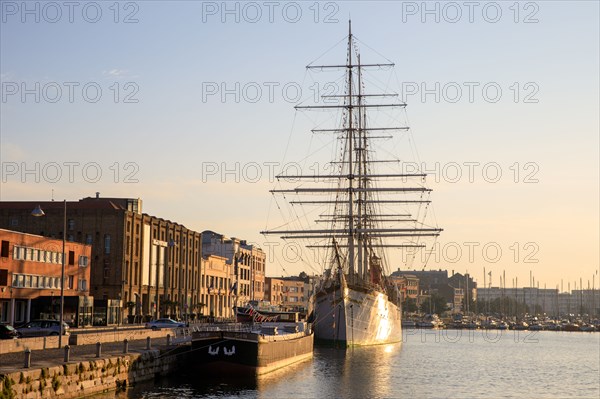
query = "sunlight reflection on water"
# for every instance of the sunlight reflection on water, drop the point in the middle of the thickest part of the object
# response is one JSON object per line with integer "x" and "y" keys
{"x": 428, "y": 364}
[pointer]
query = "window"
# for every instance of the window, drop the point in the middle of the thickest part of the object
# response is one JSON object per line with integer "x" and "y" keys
{"x": 14, "y": 221}
{"x": 107, "y": 243}
{"x": 71, "y": 258}
{"x": 4, "y": 250}
{"x": 82, "y": 285}
{"x": 89, "y": 239}
{"x": 71, "y": 224}
{"x": 71, "y": 281}
{"x": 83, "y": 260}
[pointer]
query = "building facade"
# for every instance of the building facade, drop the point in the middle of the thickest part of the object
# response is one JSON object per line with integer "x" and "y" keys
{"x": 217, "y": 291}
{"x": 248, "y": 264}
{"x": 30, "y": 279}
{"x": 408, "y": 285}
{"x": 287, "y": 292}
{"x": 548, "y": 300}
{"x": 140, "y": 263}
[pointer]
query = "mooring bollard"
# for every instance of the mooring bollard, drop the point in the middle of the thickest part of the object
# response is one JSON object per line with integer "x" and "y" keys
{"x": 125, "y": 346}
{"x": 148, "y": 343}
{"x": 67, "y": 353}
{"x": 27, "y": 362}
{"x": 98, "y": 349}
{"x": 168, "y": 339}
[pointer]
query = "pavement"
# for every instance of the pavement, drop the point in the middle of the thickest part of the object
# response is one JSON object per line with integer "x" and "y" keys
{"x": 10, "y": 362}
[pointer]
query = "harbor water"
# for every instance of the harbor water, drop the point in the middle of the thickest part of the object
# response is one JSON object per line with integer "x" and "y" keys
{"x": 427, "y": 364}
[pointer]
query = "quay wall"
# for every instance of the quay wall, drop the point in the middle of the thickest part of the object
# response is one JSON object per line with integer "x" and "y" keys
{"x": 90, "y": 377}
{"x": 84, "y": 338}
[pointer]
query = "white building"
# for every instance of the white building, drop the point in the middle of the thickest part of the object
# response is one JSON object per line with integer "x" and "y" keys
{"x": 548, "y": 300}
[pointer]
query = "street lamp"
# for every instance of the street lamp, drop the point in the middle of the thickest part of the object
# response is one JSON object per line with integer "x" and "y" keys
{"x": 38, "y": 212}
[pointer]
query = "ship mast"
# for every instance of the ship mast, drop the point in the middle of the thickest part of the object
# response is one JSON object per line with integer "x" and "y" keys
{"x": 361, "y": 182}
{"x": 361, "y": 224}
{"x": 350, "y": 136}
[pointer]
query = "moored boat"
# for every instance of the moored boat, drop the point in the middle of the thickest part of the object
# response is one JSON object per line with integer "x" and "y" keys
{"x": 254, "y": 349}
{"x": 406, "y": 323}
{"x": 255, "y": 312}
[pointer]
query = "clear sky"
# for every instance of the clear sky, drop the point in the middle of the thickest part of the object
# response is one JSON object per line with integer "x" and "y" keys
{"x": 157, "y": 99}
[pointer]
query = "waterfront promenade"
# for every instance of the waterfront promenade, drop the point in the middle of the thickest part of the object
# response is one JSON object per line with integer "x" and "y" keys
{"x": 11, "y": 362}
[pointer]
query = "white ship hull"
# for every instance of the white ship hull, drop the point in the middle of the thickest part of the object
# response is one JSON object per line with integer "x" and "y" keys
{"x": 358, "y": 317}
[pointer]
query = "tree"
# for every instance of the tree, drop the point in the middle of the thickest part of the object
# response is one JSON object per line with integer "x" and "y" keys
{"x": 435, "y": 303}
{"x": 409, "y": 305}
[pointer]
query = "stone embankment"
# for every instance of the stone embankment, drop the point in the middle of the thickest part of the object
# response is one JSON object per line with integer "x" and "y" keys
{"x": 88, "y": 369}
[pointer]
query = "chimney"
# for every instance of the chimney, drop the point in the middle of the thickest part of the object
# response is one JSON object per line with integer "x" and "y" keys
{"x": 97, "y": 194}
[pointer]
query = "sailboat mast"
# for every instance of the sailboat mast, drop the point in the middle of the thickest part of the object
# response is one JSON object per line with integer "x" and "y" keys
{"x": 350, "y": 158}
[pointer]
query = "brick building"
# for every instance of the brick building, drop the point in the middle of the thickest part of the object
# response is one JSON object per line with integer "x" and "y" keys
{"x": 287, "y": 292}
{"x": 408, "y": 285}
{"x": 139, "y": 262}
{"x": 30, "y": 279}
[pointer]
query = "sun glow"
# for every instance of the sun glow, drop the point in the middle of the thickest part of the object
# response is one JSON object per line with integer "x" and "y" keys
{"x": 383, "y": 328}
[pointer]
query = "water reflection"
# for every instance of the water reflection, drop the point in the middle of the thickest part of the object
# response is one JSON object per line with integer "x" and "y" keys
{"x": 469, "y": 364}
{"x": 367, "y": 371}
{"x": 358, "y": 372}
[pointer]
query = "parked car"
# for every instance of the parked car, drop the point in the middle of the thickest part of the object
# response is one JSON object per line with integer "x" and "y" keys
{"x": 8, "y": 332}
{"x": 164, "y": 323}
{"x": 41, "y": 328}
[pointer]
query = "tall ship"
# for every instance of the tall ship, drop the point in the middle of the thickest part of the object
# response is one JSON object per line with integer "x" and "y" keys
{"x": 368, "y": 207}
